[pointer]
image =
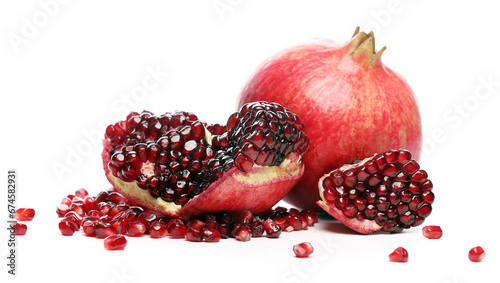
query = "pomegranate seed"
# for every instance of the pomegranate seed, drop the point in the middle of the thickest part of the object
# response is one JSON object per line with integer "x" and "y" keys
{"x": 273, "y": 230}
{"x": 193, "y": 234}
{"x": 88, "y": 204}
{"x": 81, "y": 193}
{"x": 476, "y": 254}
{"x": 245, "y": 217}
{"x": 210, "y": 234}
{"x": 88, "y": 227}
{"x": 432, "y": 232}
{"x": 177, "y": 230}
{"x": 243, "y": 234}
{"x": 102, "y": 230}
{"x": 399, "y": 255}
{"x": 156, "y": 230}
{"x": 25, "y": 214}
{"x": 115, "y": 242}
{"x": 136, "y": 229}
{"x": 303, "y": 249}
{"x": 67, "y": 228}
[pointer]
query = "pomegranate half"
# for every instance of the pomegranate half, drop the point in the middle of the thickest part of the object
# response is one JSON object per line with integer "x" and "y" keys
{"x": 352, "y": 104}
{"x": 174, "y": 165}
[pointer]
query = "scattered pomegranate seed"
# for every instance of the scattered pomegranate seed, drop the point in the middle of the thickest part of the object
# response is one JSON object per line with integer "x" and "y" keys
{"x": 157, "y": 230}
{"x": 24, "y": 214}
{"x": 210, "y": 234}
{"x": 81, "y": 193}
{"x": 476, "y": 254}
{"x": 67, "y": 228}
{"x": 243, "y": 234}
{"x": 62, "y": 209}
{"x": 20, "y": 229}
{"x": 303, "y": 249}
{"x": 432, "y": 232}
{"x": 115, "y": 242}
{"x": 399, "y": 255}
{"x": 109, "y": 214}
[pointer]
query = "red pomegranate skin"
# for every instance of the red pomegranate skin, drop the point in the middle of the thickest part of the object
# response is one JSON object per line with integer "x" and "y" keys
{"x": 351, "y": 104}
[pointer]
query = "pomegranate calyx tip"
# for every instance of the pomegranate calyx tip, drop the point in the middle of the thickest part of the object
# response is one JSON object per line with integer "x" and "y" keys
{"x": 363, "y": 46}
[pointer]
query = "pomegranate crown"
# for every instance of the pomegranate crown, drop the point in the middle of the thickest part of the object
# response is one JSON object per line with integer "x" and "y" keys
{"x": 363, "y": 47}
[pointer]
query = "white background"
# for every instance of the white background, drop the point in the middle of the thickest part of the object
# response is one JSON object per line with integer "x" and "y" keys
{"x": 67, "y": 68}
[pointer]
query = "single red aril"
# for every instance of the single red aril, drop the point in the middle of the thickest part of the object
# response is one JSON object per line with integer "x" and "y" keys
{"x": 243, "y": 234}
{"x": 67, "y": 228}
{"x": 103, "y": 230}
{"x": 378, "y": 193}
{"x": 136, "y": 229}
{"x": 193, "y": 234}
{"x": 177, "y": 230}
{"x": 81, "y": 193}
{"x": 24, "y": 214}
{"x": 476, "y": 254}
{"x": 62, "y": 209}
{"x": 172, "y": 164}
{"x": 352, "y": 104}
{"x": 273, "y": 230}
{"x": 19, "y": 229}
{"x": 115, "y": 242}
{"x": 399, "y": 255}
{"x": 157, "y": 230}
{"x": 211, "y": 234}
{"x": 432, "y": 232}
{"x": 303, "y": 249}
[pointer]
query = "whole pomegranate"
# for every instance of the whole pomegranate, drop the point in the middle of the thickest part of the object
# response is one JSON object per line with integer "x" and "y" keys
{"x": 353, "y": 106}
{"x": 176, "y": 165}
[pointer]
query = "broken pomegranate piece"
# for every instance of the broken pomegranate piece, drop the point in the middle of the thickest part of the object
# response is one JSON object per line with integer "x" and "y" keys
{"x": 399, "y": 255}
{"x": 387, "y": 192}
{"x": 175, "y": 165}
{"x": 303, "y": 249}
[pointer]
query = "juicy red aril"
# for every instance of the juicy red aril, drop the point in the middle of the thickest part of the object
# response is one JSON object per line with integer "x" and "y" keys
{"x": 303, "y": 249}
{"x": 273, "y": 230}
{"x": 157, "y": 230}
{"x": 386, "y": 188}
{"x": 210, "y": 234}
{"x": 67, "y": 228}
{"x": 432, "y": 232}
{"x": 399, "y": 255}
{"x": 193, "y": 234}
{"x": 81, "y": 193}
{"x": 102, "y": 230}
{"x": 115, "y": 242}
{"x": 24, "y": 214}
{"x": 243, "y": 234}
{"x": 136, "y": 229}
{"x": 177, "y": 230}
{"x": 156, "y": 151}
{"x": 476, "y": 254}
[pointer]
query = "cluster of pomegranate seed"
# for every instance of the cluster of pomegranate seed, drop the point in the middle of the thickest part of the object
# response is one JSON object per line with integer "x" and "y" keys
{"x": 175, "y": 156}
{"x": 110, "y": 214}
{"x": 388, "y": 188}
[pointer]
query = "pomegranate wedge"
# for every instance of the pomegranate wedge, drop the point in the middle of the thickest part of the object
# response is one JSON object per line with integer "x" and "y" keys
{"x": 387, "y": 192}
{"x": 175, "y": 165}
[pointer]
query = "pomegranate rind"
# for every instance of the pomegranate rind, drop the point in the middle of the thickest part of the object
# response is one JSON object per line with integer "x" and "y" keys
{"x": 256, "y": 190}
{"x": 363, "y": 226}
